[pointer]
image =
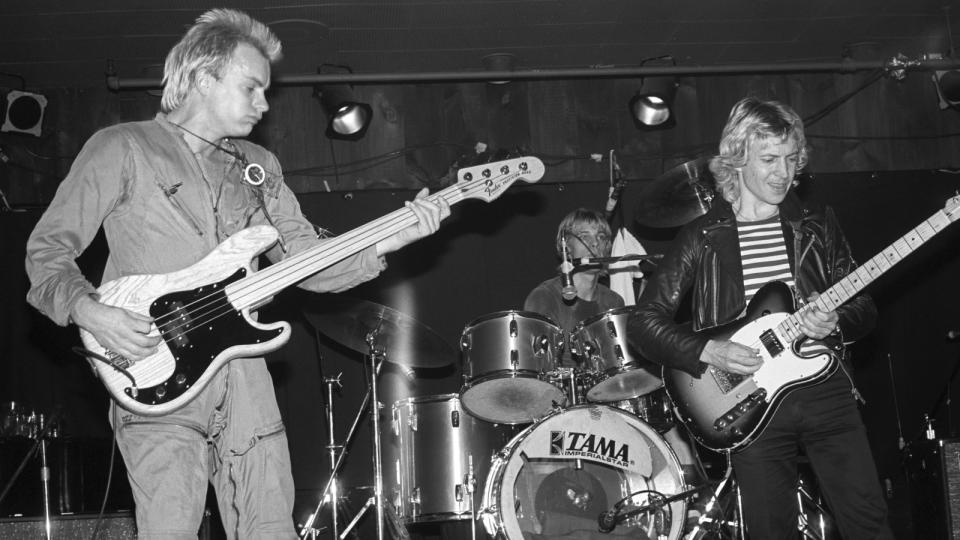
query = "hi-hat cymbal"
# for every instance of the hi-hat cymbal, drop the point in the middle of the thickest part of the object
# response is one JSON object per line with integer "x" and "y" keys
{"x": 405, "y": 340}
{"x": 677, "y": 196}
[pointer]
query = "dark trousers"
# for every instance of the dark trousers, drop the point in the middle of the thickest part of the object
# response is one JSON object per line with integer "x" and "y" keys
{"x": 825, "y": 423}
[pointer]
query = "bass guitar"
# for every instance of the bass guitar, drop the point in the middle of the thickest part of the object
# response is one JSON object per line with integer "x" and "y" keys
{"x": 726, "y": 411}
{"x": 202, "y": 312}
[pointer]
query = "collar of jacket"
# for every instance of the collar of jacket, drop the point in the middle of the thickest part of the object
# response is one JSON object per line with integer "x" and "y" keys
{"x": 792, "y": 211}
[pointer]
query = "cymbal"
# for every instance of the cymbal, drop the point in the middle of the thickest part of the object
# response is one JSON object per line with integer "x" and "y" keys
{"x": 677, "y": 196}
{"x": 406, "y": 341}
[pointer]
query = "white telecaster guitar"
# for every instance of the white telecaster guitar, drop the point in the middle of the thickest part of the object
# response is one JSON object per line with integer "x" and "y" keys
{"x": 203, "y": 311}
{"x": 725, "y": 411}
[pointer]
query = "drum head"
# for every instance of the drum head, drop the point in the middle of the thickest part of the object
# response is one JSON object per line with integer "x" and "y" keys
{"x": 627, "y": 383}
{"x": 511, "y": 400}
{"x": 557, "y": 476}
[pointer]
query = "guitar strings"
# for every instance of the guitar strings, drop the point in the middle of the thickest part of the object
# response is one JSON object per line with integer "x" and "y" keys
{"x": 211, "y": 307}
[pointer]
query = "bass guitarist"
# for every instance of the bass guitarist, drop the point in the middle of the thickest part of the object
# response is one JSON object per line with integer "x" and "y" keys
{"x": 167, "y": 191}
{"x": 760, "y": 233}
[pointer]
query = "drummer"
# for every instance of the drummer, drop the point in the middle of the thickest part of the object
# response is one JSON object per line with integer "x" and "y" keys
{"x": 586, "y": 233}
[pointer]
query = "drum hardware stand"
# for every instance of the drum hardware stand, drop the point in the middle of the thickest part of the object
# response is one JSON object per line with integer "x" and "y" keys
{"x": 377, "y": 357}
{"x": 815, "y": 531}
{"x": 308, "y": 530}
{"x": 707, "y": 524}
{"x": 470, "y": 480}
{"x": 332, "y": 491}
{"x": 41, "y": 444}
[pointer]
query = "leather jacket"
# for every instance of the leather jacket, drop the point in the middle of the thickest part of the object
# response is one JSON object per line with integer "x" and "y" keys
{"x": 704, "y": 260}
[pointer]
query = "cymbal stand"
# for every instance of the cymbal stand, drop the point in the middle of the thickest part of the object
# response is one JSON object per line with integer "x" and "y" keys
{"x": 711, "y": 520}
{"x": 307, "y": 530}
{"x": 377, "y": 357}
{"x": 332, "y": 449}
{"x": 40, "y": 443}
{"x": 332, "y": 491}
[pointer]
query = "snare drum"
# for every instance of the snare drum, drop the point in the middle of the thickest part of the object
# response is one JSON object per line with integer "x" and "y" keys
{"x": 601, "y": 341}
{"x": 506, "y": 357}
{"x": 435, "y": 443}
{"x": 654, "y": 408}
{"x": 557, "y": 476}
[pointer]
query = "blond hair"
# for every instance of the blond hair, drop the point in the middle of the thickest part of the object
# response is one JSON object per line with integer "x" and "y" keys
{"x": 750, "y": 120}
{"x": 208, "y": 47}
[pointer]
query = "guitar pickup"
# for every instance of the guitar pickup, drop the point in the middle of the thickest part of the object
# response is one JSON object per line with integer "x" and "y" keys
{"x": 742, "y": 408}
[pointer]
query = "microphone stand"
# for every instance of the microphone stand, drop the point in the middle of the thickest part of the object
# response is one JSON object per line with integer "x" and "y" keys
{"x": 606, "y": 261}
{"x": 945, "y": 397}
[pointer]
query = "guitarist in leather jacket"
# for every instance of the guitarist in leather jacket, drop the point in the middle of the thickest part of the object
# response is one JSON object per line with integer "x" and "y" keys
{"x": 762, "y": 147}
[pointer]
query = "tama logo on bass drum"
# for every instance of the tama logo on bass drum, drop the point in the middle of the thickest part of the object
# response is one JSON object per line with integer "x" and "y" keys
{"x": 589, "y": 445}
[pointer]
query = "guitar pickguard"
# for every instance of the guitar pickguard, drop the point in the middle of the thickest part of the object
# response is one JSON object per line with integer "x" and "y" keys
{"x": 197, "y": 326}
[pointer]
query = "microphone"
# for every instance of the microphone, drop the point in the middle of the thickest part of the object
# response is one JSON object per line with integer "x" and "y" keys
{"x": 607, "y": 521}
{"x": 616, "y": 187}
{"x": 584, "y": 261}
{"x": 953, "y": 335}
{"x": 568, "y": 291}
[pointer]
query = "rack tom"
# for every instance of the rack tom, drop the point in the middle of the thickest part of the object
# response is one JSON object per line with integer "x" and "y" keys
{"x": 601, "y": 342}
{"x": 507, "y": 357}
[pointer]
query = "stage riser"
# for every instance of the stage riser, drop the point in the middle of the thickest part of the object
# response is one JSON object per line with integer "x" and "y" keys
{"x": 112, "y": 527}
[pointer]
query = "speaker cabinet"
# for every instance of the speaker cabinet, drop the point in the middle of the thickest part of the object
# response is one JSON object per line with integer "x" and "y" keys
{"x": 933, "y": 469}
{"x": 119, "y": 526}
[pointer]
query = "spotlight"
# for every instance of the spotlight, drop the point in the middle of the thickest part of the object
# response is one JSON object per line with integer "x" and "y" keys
{"x": 348, "y": 118}
{"x": 948, "y": 87}
{"x": 24, "y": 113}
{"x": 651, "y": 108}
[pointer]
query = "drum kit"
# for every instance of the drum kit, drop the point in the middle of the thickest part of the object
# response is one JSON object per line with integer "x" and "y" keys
{"x": 526, "y": 448}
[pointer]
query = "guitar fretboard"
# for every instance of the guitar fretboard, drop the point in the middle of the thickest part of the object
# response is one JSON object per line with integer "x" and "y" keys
{"x": 484, "y": 182}
{"x": 846, "y": 288}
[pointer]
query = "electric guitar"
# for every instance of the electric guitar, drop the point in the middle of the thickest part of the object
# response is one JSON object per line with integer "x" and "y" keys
{"x": 203, "y": 311}
{"x": 726, "y": 411}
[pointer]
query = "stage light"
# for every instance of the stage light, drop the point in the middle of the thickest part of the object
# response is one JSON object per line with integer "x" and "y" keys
{"x": 651, "y": 108}
{"x": 24, "y": 113}
{"x": 948, "y": 87}
{"x": 348, "y": 119}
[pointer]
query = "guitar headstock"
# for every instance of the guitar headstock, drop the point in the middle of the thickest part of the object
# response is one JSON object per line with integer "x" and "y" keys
{"x": 952, "y": 208}
{"x": 489, "y": 180}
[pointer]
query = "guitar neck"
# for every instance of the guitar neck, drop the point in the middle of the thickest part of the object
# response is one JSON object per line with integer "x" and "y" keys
{"x": 485, "y": 182}
{"x": 266, "y": 283}
{"x": 863, "y": 275}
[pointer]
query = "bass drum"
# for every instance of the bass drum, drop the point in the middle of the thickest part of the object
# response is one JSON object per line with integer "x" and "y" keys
{"x": 557, "y": 476}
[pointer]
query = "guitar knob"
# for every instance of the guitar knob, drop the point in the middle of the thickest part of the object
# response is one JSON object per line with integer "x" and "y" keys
{"x": 180, "y": 379}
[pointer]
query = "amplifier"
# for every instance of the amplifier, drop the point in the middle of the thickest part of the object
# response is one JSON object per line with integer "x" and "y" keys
{"x": 933, "y": 469}
{"x": 117, "y": 526}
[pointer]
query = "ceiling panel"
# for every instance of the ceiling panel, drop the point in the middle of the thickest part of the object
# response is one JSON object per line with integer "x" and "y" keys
{"x": 68, "y": 43}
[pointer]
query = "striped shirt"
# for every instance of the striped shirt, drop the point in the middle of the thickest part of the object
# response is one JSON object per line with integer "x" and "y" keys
{"x": 764, "y": 255}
